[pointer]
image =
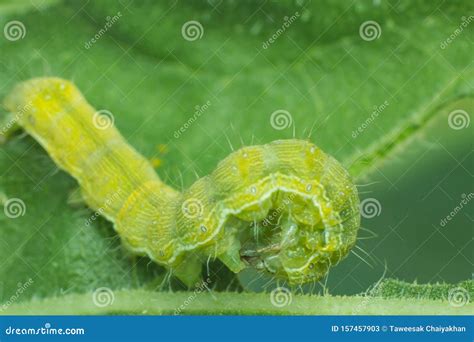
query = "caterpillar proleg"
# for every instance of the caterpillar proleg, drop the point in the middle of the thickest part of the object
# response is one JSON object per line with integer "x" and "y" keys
{"x": 285, "y": 208}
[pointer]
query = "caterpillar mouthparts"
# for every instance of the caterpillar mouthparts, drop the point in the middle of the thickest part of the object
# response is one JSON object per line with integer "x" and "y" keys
{"x": 285, "y": 208}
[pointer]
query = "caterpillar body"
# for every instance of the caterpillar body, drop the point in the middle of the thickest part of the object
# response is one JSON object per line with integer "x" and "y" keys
{"x": 285, "y": 208}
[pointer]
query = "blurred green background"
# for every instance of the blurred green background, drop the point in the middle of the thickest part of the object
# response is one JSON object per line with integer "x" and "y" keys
{"x": 327, "y": 63}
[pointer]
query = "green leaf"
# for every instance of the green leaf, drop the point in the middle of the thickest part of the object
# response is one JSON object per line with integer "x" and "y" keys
{"x": 392, "y": 288}
{"x": 142, "y": 69}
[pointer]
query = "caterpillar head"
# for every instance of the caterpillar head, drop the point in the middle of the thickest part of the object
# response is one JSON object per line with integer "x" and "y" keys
{"x": 300, "y": 237}
{"x": 285, "y": 208}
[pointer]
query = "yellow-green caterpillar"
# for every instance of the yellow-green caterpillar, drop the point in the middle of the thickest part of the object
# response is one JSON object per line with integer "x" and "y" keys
{"x": 285, "y": 208}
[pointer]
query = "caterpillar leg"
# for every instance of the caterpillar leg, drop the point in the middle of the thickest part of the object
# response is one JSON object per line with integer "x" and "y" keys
{"x": 188, "y": 271}
{"x": 8, "y": 126}
{"x": 75, "y": 199}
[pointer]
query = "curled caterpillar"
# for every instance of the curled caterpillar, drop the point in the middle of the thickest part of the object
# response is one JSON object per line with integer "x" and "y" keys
{"x": 285, "y": 208}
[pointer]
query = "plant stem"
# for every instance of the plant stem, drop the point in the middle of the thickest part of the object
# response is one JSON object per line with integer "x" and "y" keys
{"x": 141, "y": 302}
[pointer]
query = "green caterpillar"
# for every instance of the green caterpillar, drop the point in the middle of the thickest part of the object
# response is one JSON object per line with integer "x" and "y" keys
{"x": 285, "y": 208}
